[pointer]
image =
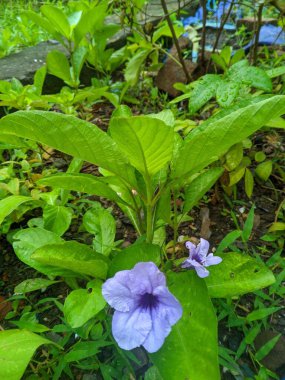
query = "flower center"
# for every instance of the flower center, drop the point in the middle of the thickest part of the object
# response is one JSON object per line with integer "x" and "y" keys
{"x": 148, "y": 300}
{"x": 197, "y": 258}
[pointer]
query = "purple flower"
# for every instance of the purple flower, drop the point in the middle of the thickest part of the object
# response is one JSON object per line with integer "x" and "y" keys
{"x": 199, "y": 258}
{"x": 145, "y": 310}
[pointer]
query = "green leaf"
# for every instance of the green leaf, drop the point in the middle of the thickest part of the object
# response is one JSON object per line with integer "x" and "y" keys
{"x": 9, "y": 204}
{"x": 83, "y": 304}
{"x": 39, "y": 79}
{"x": 237, "y": 274}
{"x": 234, "y": 156}
{"x": 74, "y": 256}
{"x": 261, "y": 313}
{"x": 248, "y": 182}
{"x": 57, "y": 218}
{"x": 41, "y": 21}
{"x": 191, "y": 349}
{"x": 101, "y": 223}
{"x": 206, "y": 143}
{"x": 199, "y": 186}
{"x": 218, "y": 60}
{"x": 129, "y": 257}
{"x": 204, "y": 90}
{"x": 78, "y": 59}
{"x": 276, "y": 72}
{"x": 277, "y": 122}
{"x": 255, "y": 77}
{"x": 152, "y": 374}
{"x": 33, "y": 284}
{"x": 133, "y": 67}
{"x": 264, "y": 170}
{"x": 227, "y": 92}
{"x": 228, "y": 240}
{"x": 84, "y": 183}
{"x": 248, "y": 225}
{"x": 16, "y": 350}
{"x": 90, "y": 21}
{"x": 69, "y": 135}
{"x": 58, "y": 65}
{"x": 57, "y": 18}
{"x": 147, "y": 142}
{"x": 266, "y": 348}
{"x": 27, "y": 241}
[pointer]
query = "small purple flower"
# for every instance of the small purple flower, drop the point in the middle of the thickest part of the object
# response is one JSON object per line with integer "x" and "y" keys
{"x": 199, "y": 258}
{"x": 145, "y": 310}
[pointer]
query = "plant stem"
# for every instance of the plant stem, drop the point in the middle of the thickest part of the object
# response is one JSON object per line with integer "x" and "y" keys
{"x": 149, "y": 210}
{"x": 257, "y": 32}
{"x": 223, "y": 23}
{"x": 176, "y": 43}
{"x": 175, "y": 224}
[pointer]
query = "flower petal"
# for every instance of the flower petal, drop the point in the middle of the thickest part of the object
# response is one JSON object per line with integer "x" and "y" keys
{"x": 203, "y": 248}
{"x": 160, "y": 329}
{"x": 145, "y": 277}
{"x": 168, "y": 306}
{"x": 212, "y": 260}
{"x": 192, "y": 248}
{"x": 117, "y": 293}
{"x": 201, "y": 271}
{"x": 131, "y": 329}
{"x": 189, "y": 263}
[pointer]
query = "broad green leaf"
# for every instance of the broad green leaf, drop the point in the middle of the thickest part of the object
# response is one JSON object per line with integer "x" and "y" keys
{"x": 248, "y": 182}
{"x": 129, "y": 257}
{"x": 9, "y": 204}
{"x": 166, "y": 116}
{"x": 191, "y": 349}
{"x": 41, "y": 21}
{"x": 277, "y": 226}
{"x": 27, "y": 241}
{"x": 237, "y": 274}
{"x": 83, "y": 350}
{"x": 58, "y": 65}
{"x": 57, "y": 218}
{"x": 227, "y": 91}
{"x": 152, "y": 374}
{"x": 218, "y": 60}
{"x": 133, "y": 67}
{"x": 101, "y": 223}
{"x": 255, "y": 77}
{"x": 69, "y": 135}
{"x": 39, "y": 79}
{"x": 73, "y": 256}
{"x": 16, "y": 350}
{"x": 83, "y": 304}
{"x": 84, "y": 183}
{"x": 264, "y": 170}
{"x": 234, "y": 156}
{"x": 206, "y": 143}
{"x": 199, "y": 186}
{"x": 33, "y": 284}
{"x": 147, "y": 142}
{"x": 57, "y": 18}
{"x": 236, "y": 175}
{"x": 77, "y": 59}
{"x": 204, "y": 90}
{"x": 276, "y": 71}
{"x": 90, "y": 20}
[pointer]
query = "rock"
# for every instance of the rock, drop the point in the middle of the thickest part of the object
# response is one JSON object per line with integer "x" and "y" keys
{"x": 171, "y": 72}
{"x": 250, "y": 22}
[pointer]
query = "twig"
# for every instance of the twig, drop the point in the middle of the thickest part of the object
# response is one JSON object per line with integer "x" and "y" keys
{"x": 257, "y": 32}
{"x": 176, "y": 43}
{"x": 223, "y": 23}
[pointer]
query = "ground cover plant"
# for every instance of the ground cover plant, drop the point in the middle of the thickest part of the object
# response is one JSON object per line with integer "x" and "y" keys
{"x": 120, "y": 272}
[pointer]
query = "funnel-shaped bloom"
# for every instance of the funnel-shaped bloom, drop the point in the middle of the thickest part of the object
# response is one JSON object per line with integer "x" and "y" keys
{"x": 145, "y": 310}
{"x": 199, "y": 258}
